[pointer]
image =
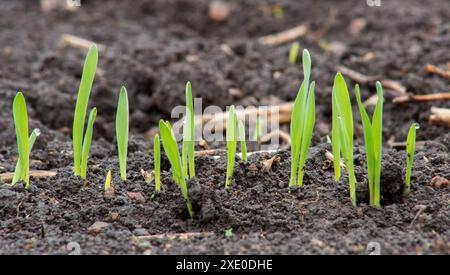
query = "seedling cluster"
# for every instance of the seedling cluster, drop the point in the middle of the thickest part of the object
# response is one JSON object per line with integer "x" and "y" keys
{"x": 183, "y": 166}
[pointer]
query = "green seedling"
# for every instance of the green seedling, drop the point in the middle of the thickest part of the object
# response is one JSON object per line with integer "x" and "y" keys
{"x": 157, "y": 160}
{"x": 302, "y": 124}
{"x": 229, "y": 233}
{"x": 108, "y": 181}
{"x": 18, "y": 170}
{"x": 258, "y": 129}
{"x": 342, "y": 133}
{"x": 122, "y": 129}
{"x": 293, "y": 53}
{"x": 410, "y": 150}
{"x": 373, "y": 143}
{"x": 231, "y": 144}
{"x": 21, "y": 124}
{"x": 87, "y": 78}
{"x": 189, "y": 135}
{"x": 242, "y": 138}
{"x": 87, "y": 142}
{"x": 171, "y": 148}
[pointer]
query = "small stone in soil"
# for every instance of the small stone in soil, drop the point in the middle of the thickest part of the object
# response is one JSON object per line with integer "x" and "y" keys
{"x": 97, "y": 227}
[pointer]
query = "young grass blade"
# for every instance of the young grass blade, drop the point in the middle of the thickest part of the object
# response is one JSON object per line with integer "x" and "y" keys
{"x": 122, "y": 129}
{"x": 231, "y": 144}
{"x": 309, "y": 118}
{"x": 410, "y": 150}
{"x": 347, "y": 153}
{"x": 21, "y": 124}
{"x": 342, "y": 132}
{"x": 188, "y": 135}
{"x": 171, "y": 148}
{"x": 297, "y": 118}
{"x": 368, "y": 143}
{"x": 87, "y": 142}
{"x": 157, "y": 161}
{"x": 18, "y": 172}
{"x": 377, "y": 127}
{"x": 242, "y": 138}
{"x": 87, "y": 78}
{"x": 341, "y": 107}
{"x": 293, "y": 53}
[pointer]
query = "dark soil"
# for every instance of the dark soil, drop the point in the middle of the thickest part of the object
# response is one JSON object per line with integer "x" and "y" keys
{"x": 150, "y": 47}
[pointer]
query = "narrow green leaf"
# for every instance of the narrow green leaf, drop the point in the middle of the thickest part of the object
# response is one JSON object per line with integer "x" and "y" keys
{"x": 189, "y": 135}
{"x": 338, "y": 102}
{"x": 410, "y": 150}
{"x": 242, "y": 138}
{"x": 368, "y": 143}
{"x": 171, "y": 148}
{"x": 87, "y": 78}
{"x": 309, "y": 118}
{"x": 293, "y": 53}
{"x": 21, "y": 124}
{"x": 231, "y": 144}
{"x": 297, "y": 119}
{"x": 17, "y": 171}
{"x": 347, "y": 153}
{"x": 377, "y": 127}
{"x": 87, "y": 142}
{"x": 157, "y": 161}
{"x": 342, "y": 132}
{"x": 122, "y": 120}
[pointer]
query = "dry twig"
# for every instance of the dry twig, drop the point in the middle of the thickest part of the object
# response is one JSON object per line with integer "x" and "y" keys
{"x": 35, "y": 174}
{"x": 422, "y": 98}
{"x": 438, "y": 71}
{"x": 284, "y": 36}
{"x": 440, "y": 117}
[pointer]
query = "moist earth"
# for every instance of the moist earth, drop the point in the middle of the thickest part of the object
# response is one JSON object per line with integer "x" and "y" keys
{"x": 154, "y": 47}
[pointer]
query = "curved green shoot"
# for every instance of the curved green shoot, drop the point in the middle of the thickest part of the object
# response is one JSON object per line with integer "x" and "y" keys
{"x": 302, "y": 124}
{"x": 231, "y": 144}
{"x": 189, "y": 135}
{"x": 242, "y": 138}
{"x": 87, "y": 142}
{"x": 17, "y": 171}
{"x": 293, "y": 53}
{"x": 342, "y": 132}
{"x": 171, "y": 148}
{"x": 108, "y": 181}
{"x": 373, "y": 143}
{"x": 122, "y": 129}
{"x": 21, "y": 124}
{"x": 157, "y": 161}
{"x": 410, "y": 150}
{"x": 87, "y": 78}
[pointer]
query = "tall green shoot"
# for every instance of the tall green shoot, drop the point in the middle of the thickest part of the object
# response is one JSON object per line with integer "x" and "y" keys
{"x": 87, "y": 142}
{"x": 21, "y": 124}
{"x": 373, "y": 143}
{"x": 171, "y": 148}
{"x": 231, "y": 136}
{"x": 157, "y": 161}
{"x": 122, "y": 120}
{"x": 302, "y": 124}
{"x": 410, "y": 151}
{"x": 18, "y": 170}
{"x": 342, "y": 132}
{"x": 242, "y": 138}
{"x": 189, "y": 135}
{"x": 87, "y": 78}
